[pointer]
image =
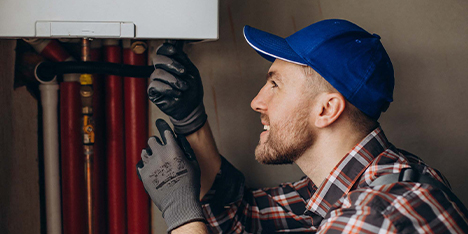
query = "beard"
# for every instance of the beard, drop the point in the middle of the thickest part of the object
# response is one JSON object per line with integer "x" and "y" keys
{"x": 287, "y": 140}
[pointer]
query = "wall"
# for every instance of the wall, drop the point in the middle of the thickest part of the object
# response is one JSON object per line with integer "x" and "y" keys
{"x": 19, "y": 171}
{"x": 426, "y": 40}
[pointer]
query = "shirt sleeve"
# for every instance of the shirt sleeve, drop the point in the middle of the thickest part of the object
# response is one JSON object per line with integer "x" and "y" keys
{"x": 230, "y": 207}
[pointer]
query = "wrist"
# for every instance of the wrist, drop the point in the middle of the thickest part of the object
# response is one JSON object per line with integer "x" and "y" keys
{"x": 184, "y": 210}
{"x": 209, "y": 160}
{"x": 192, "y": 228}
{"x": 192, "y": 123}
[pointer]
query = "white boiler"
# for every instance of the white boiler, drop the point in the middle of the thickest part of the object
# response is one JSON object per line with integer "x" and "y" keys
{"x": 138, "y": 19}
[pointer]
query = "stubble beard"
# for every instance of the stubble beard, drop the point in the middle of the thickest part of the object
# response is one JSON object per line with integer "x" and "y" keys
{"x": 287, "y": 141}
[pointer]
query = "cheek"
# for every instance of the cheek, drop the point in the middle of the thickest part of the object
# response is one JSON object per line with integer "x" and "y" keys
{"x": 280, "y": 119}
{"x": 291, "y": 111}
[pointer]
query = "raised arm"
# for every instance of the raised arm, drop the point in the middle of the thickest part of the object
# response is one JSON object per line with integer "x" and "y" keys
{"x": 177, "y": 90}
{"x": 207, "y": 154}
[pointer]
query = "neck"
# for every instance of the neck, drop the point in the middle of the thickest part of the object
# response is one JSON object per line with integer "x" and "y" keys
{"x": 330, "y": 146}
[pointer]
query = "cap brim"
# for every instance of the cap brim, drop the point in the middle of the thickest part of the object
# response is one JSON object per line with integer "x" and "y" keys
{"x": 271, "y": 46}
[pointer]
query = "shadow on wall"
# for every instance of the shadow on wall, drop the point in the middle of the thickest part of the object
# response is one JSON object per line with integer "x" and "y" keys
{"x": 427, "y": 116}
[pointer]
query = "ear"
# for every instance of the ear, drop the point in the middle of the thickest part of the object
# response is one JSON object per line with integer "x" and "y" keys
{"x": 331, "y": 106}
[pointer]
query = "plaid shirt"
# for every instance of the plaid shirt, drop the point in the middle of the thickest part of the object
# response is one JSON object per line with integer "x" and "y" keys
{"x": 344, "y": 202}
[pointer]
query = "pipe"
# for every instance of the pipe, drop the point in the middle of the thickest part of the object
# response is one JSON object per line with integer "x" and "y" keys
{"x": 86, "y": 92}
{"x": 99, "y": 169}
{"x": 48, "y": 70}
{"x": 49, "y": 102}
{"x": 49, "y": 49}
{"x": 116, "y": 197}
{"x": 73, "y": 177}
{"x": 136, "y": 133}
{"x": 52, "y": 50}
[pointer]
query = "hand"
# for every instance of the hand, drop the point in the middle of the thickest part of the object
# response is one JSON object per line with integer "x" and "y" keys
{"x": 171, "y": 176}
{"x": 176, "y": 88}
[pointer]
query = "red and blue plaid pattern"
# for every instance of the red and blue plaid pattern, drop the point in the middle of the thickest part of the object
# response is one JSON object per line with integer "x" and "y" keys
{"x": 344, "y": 202}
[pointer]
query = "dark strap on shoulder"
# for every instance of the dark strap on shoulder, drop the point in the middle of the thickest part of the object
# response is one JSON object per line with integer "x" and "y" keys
{"x": 413, "y": 175}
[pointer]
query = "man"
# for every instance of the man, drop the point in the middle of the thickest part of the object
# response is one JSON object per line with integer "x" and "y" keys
{"x": 325, "y": 91}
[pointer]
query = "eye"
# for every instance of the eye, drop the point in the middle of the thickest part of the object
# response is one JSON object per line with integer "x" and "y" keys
{"x": 273, "y": 84}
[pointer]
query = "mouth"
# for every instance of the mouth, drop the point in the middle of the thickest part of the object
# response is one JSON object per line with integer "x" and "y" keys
{"x": 265, "y": 133}
{"x": 266, "y": 127}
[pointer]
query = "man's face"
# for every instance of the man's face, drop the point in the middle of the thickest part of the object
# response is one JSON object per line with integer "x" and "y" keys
{"x": 284, "y": 105}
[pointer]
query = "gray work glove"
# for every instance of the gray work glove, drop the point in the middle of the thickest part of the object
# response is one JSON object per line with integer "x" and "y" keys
{"x": 176, "y": 88}
{"x": 171, "y": 176}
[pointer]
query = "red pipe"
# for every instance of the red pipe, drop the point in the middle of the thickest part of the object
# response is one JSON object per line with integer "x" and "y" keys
{"x": 136, "y": 134}
{"x": 116, "y": 197}
{"x": 50, "y": 49}
{"x": 73, "y": 183}
{"x": 98, "y": 170}
{"x": 55, "y": 52}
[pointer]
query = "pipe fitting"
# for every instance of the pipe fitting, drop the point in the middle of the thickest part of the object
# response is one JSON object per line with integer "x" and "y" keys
{"x": 44, "y": 79}
{"x": 139, "y": 47}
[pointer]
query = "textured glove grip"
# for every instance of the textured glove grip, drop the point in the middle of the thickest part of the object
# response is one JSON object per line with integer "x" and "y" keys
{"x": 179, "y": 212}
{"x": 191, "y": 123}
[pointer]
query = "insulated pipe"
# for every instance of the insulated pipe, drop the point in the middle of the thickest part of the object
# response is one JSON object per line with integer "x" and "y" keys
{"x": 136, "y": 134}
{"x": 73, "y": 177}
{"x": 115, "y": 150}
{"x": 99, "y": 169}
{"x": 49, "y": 49}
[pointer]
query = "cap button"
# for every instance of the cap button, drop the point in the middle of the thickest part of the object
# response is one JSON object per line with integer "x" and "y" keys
{"x": 376, "y": 36}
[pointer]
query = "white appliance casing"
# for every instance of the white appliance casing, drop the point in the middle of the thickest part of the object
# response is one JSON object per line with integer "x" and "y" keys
{"x": 139, "y": 19}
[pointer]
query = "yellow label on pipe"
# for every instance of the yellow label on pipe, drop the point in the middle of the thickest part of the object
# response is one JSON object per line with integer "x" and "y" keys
{"x": 86, "y": 79}
{"x": 89, "y": 131}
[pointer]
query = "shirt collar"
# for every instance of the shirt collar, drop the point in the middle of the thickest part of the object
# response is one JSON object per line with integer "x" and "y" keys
{"x": 346, "y": 173}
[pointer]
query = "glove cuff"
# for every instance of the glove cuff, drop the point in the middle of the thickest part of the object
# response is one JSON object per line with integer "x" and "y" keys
{"x": 191, "y": 123}
{"x": 180, "y": 212}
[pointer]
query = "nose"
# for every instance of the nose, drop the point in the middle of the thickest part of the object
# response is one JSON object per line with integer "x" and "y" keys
{"x": 258, "y": 104}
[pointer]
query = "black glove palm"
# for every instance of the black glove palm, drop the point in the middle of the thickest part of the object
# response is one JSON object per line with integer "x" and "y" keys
{"x": 177, "y": 90}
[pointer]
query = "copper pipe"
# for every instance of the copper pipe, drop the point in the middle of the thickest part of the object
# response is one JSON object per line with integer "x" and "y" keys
{"x": 88, "y": 150}
{"x": 85, "y": 50}
{"x": 86, "y": 91}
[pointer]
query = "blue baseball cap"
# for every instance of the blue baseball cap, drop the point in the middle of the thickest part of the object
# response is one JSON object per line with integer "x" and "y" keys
{"x": 352, "y": 60}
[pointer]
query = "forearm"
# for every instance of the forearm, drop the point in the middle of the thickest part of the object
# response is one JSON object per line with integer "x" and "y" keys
{"x": 192, "y": 228}
{"x": 204, "y": 147}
